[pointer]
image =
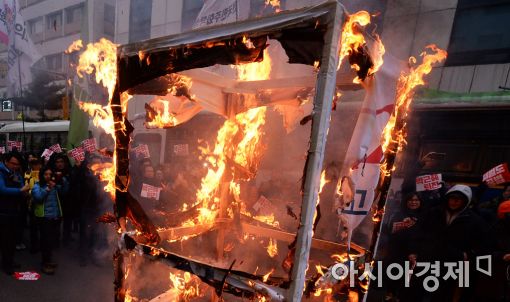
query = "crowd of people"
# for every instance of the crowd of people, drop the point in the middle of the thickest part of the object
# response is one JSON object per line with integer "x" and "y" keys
{"x": 450, "y": 224}
{"x": 46, "y": 204}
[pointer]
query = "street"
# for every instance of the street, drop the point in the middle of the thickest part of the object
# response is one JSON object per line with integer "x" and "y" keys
{"x": 70, "y": 282}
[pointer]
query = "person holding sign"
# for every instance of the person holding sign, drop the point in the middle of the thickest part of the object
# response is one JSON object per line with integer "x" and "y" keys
{"x": 402, "y": 229}
{"x": 429, "y": 186}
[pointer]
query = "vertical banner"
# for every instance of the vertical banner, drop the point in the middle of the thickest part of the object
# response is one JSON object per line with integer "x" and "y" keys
{"x": 364, "y": 154}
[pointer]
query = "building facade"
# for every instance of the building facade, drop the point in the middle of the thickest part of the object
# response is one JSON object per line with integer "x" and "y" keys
{"x": 53, "y": 25}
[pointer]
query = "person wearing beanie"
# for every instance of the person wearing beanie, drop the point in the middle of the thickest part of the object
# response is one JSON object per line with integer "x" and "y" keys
{"x": 451, "y": 232}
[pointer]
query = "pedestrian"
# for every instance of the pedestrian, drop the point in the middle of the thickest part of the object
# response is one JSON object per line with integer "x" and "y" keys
{"x": 12, "y": 193}
{"x": 451, "y": 232}
{"x": 60, "y": 165}
{"x": 48, "y": 210}
{"x": 84, "y": 195}
{"x": 31, "y": 178}
{"x": 402, "y": 229}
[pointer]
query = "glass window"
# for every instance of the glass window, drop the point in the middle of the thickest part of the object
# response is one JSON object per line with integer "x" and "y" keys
{"x": 74, "y": 14}
{"x": 480, "y": 33}
{"x": 36, "y": 26}
{"x": 54, "y": 62}
{"x": 140, "y": 20}
{"x": 54, "y": 21}
{"x": 190, "y": 11}
{"x": 109, "y": 19}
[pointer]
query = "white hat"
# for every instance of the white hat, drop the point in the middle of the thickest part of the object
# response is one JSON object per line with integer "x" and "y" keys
{"x": 465, "y": 190}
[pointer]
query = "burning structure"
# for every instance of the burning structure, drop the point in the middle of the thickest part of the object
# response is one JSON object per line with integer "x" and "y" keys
{"x": 185, "y": 74}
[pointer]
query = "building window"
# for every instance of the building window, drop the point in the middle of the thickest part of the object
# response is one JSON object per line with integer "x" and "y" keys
{"x": 140, "y": 20}
{"x": 36, "y": 26}
{"x": 480, "y": 33}
{"x": 54, "y": 21}
{"x": 54, "y": 62}
{"x": 109, "y": 19}
{"x": 74, "y": 14}
{"x": 190, "y": 11}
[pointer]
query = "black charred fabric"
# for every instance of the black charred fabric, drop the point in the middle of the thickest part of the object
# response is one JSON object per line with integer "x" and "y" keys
{"x": 133, "y": 71}
{"x": 302, "y": 45}
{"x": 361, "y": 58}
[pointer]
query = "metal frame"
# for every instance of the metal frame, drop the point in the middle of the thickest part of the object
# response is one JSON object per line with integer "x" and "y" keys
{"x": 326, "y": 84}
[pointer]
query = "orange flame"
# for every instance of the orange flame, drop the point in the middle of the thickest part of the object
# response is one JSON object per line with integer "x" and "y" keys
{"x": 186, "y": 287}
{"x": 275, "y": 4}
{"x": 376, "y": 54}
{"x": 75, "y": 46}
{"x": 272, "y": 248}
{"x": 266, "y": 276}
{"x": 245, "y": 153}
{"x": 100, "y": 59}
{"x": 406, "y": 86}
{"x": 352, "y": 38}
{"x": 323, "y": 182}
{"x": 128, "y": 297}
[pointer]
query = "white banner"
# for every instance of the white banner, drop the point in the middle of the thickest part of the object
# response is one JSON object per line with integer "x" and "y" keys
{"x": 365, "y": 154}
{"x": 21, "y": 52}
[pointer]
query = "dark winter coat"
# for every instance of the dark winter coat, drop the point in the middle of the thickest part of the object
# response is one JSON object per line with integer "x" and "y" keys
{"x": 83, "y": 191}
{"x": 11, "y": 196}
{"x": 438, "y": 240}
{"x": 402, "y": 228}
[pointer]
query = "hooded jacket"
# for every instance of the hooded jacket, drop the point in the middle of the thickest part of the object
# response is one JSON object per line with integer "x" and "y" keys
{"x": 446, "y": 237}
{"x": 10, "y": 193}
{"x": 47, "y": 203}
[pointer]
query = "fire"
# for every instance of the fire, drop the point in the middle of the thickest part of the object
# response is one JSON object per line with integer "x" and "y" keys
{"x": 184, "y": 288}
{"x": 161, "y": 114}
{"x": 128, "y": 297}
{"x": 319, "y": 291}
{"x": 75, "y": 46}
{"x": 376, "y": 54}
{"x": 102, "y": 116}
{"x": 323, "y": 182}
{"x": 352, "y": 38}
{"x": 405, "y": 92}
{"x": 163, "y": 117}
{"x": 274, "y": 3}
{"x": 266, "y": 276}
{"x": 245, "y": 153}
{"x": 272, "y": 248}
{"x": 100, "y": 59}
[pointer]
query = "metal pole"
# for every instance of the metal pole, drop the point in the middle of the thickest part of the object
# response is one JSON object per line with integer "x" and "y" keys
{"x": 325, "y": 90}
{"x": 18, "y": 57}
